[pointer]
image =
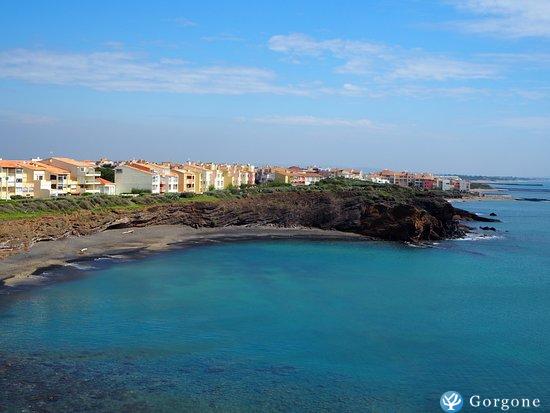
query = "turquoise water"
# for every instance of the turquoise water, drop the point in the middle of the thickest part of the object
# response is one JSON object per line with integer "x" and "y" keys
{"x": 291, "y": 326}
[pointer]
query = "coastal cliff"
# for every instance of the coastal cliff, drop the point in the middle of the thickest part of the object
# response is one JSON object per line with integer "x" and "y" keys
{"x": 403, "y": 215}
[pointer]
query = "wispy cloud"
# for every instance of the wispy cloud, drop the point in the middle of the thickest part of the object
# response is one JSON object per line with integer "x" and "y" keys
{"x": 306, "y": 120}
{"x": 440, "y": 69}
{"x": 184, "y": 22}
{"x": 300, "y": 44}
{"x": 118, "y": 71}
{"x": 505, "y": 18}
{"x": 378, "y": 60}
{"x": 223, "y": 37}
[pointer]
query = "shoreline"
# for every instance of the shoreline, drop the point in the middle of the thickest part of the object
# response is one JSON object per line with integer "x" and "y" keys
{"x": 28, "y": 268}
{"x": 481, "y": 198}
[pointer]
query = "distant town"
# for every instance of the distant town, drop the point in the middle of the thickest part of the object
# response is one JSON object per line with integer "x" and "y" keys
{"x": 62, "y": 176}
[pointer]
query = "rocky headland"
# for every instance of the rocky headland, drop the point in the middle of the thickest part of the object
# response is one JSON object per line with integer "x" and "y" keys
{"x": 398, "y": 215}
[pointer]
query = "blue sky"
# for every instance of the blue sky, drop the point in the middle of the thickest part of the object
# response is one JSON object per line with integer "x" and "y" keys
{"x": 446, "y": 86}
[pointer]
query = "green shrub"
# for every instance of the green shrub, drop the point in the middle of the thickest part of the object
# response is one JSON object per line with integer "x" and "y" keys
{"x": 140, "y": 191}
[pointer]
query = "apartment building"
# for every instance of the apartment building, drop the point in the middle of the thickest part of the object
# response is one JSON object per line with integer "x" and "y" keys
{"x": 45, "y": 181}
{"x": 188, "y": 180}
{"x": 216, "y": 179}
{"x": 156, "y": 178}
{"x": 264, "y": 175}
{"x": 347, "y": 173}
{"x": 133, "y": 176}
{"x": 168, "y": 179}
{"x": 295, "y": 176}
{"x": 83, "y": 172}
{"x": 203, "y": 176}
{"x": 12, "y": 179}
{"x": 452, "y": 183}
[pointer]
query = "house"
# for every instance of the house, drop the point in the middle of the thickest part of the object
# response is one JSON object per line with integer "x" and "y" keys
{"x": 106, "y": 187}
{"x": 83, "y": 172}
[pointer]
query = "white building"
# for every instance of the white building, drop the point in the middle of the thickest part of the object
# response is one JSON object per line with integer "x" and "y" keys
{"x": 11, "y": 179}
{"x": 158, "y": 179}
{"x": 378, "y": 180}
{"x": 134, "y": 176}
{"x": 106, "y": 187}
{"x": 83, "y": 172}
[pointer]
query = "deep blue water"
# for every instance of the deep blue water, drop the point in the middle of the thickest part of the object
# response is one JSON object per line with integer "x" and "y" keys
{"x": 291, "y": 326}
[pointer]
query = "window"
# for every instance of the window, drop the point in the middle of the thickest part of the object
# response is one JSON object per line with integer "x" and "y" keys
{"x": 118, "y": 171}
{"x": 19, "y": 180}
{"x": 53, "y": 177}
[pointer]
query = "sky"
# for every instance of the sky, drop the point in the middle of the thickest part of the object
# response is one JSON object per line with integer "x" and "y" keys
{"x": 424, "y": 85}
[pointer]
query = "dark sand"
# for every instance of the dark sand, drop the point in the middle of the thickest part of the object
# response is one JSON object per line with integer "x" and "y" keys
{"x": 26, "y": 267}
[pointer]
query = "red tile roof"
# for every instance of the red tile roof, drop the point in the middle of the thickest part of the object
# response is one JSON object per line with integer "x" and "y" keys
{"x": 104, "y": 181}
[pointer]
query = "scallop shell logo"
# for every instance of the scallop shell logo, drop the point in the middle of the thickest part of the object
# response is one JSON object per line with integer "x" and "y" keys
{"x": 451, "y": 401}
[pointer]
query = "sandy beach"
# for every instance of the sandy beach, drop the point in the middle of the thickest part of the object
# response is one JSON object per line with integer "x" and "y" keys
{"x": 26, "y": 267}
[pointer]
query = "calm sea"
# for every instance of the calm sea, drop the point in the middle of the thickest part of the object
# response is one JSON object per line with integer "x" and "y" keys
{"x": 292, "y": 325}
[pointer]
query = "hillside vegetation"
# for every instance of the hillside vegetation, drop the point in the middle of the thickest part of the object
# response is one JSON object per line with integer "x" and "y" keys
{"x": 29, "y": 208}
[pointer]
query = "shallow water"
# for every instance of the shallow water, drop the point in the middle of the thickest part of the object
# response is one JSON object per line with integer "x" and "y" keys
{"x": 291, "y": 326}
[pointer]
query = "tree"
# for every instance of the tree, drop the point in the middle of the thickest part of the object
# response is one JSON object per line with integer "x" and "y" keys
{"x": 107, "y": 173}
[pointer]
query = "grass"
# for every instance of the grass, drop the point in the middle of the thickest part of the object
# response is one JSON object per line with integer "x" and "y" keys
{"x": 33, "y": 208}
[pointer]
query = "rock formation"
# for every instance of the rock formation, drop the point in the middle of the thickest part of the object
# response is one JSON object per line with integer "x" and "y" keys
{"x": 416, "y": 218}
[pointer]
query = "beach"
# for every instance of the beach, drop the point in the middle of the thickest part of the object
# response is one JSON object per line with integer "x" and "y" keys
{"x": 25, "y": 268}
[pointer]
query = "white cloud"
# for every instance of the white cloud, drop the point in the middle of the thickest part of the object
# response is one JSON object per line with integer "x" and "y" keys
{"x": 378, "y": 60}
{"x": 306, "y": 120}
{"x": 184, "y": 22}
{"x": 507, "y": 18}
{"x": 301, "y": 44}
{"x": 223, "y": 37}
{"x": 118, "y": 71}
{"x": 433, "y": 68}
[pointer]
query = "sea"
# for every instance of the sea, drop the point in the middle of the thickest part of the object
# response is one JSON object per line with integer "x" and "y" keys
{"x": 293, "y": 325}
